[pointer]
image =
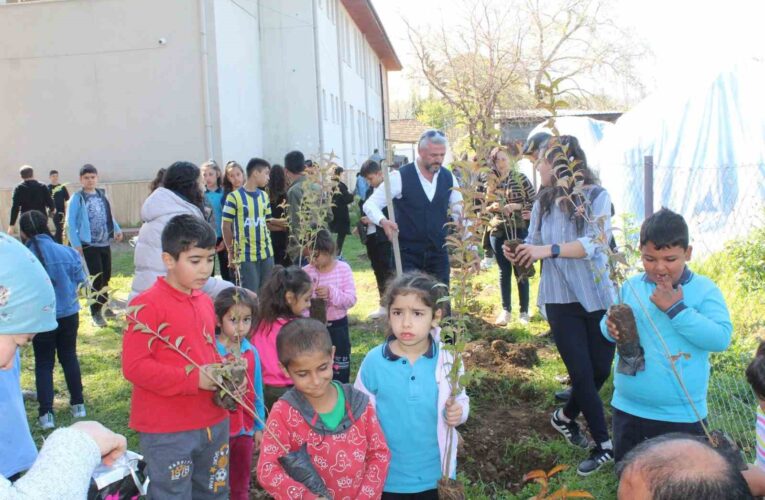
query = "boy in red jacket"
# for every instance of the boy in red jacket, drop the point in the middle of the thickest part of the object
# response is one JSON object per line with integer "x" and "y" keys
{"x": 337, "y": 423}
{"x": 183, "y": 434}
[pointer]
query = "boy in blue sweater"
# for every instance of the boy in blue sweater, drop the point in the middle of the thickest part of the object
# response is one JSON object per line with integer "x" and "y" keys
{"x": 690, "y": 313}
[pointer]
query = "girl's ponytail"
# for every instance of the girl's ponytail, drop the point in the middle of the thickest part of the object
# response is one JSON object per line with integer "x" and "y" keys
{"x": 33, "y": 224}
{"x": 755, "y": 372}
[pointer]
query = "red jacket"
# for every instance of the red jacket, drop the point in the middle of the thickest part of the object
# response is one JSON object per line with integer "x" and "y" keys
{"x": 165, "y": 397}
{"x": 352, "y": 460}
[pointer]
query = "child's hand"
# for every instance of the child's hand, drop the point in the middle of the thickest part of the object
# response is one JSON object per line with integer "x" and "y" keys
{"x": 664, "y": 296}
{"x": 322, "y": 292}
{"x": 206, "y": 380}
{"x": 257, "y": 439}
{"x": 452, "y": 413}
{"x": 612, "y": 331}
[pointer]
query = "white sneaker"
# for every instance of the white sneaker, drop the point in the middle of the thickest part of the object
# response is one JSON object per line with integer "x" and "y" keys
{"x": 524, "y": 318}
{"x": 380, "y": 313}
{"x": 486, "y": 263}
{"x": 46, "y": 422}
{"x": 78, "y": 411}
{"x": 502, "y": 318}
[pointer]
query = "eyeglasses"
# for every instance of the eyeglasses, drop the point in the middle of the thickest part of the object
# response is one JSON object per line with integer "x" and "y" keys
{"x": 431, "y": 133}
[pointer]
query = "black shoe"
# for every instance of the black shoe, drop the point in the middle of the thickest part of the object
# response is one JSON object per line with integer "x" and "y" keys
{"x": 597, "y": 459}
{"x": 563, "y": 395}
{"x": 109, "y": 314}
{"x": 98, "y": 320}
{"x": 570, "y": 431}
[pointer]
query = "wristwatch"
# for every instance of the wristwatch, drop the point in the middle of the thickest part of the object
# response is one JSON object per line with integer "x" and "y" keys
{"x": 554, "y": 251}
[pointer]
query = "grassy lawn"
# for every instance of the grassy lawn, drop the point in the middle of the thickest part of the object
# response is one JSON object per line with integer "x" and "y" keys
{"x": 510, "y": 443}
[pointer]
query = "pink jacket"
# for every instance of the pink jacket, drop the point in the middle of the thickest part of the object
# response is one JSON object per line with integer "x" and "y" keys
{"x": 342, "y": 290}
{"x": 264, "y": 340}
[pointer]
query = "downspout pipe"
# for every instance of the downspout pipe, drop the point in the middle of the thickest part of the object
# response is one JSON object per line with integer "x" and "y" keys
{"x": 317, "y": 65}
{"x": 208, "y": 133}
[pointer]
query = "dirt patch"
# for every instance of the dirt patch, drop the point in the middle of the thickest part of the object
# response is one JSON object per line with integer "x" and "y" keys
{"x": 501, "y": 357}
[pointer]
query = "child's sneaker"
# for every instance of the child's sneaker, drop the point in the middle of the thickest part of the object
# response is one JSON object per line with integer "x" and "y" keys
{"x": 378, "y": 314}
{"x": 78, "y": 411}
{"x": 98, "y": 320}
{"x": 47, "y": 422}
{"x": 524, "y": 318}
{"x": 570, "y": 431}
{"x": 502, "y": 318}
{"x": 597, "y": 459}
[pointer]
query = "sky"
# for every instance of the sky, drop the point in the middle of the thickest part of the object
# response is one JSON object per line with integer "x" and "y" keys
{"x": 689, "y": 39}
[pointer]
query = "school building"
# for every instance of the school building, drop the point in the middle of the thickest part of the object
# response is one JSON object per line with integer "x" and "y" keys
{"x": 134, "y": 85}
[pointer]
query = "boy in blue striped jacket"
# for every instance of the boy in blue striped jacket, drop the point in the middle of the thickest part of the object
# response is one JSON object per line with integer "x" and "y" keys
{"x": 689, "y": 312}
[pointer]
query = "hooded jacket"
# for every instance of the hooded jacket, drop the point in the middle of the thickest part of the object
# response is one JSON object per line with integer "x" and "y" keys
{"x": 351, "y": 459}
{"x": 161, "y": 206}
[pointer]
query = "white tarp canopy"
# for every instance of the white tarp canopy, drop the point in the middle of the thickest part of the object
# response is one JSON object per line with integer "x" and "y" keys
{"x": 707, "y": 140}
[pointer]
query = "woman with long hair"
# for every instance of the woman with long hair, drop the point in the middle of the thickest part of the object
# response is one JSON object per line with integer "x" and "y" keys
{"x": 575, "y": 288}
{"x": 181, "y": 193}
{"x": 277, "y": 193}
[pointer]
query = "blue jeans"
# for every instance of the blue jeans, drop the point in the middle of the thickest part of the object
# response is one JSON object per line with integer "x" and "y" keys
{"x": 506, "y": 269}
{"x": 426, "y": 258}
{"x": 254, "y": 274}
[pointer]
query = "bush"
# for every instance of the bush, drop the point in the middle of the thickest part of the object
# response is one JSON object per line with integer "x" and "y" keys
{"x": 748, "y": 258}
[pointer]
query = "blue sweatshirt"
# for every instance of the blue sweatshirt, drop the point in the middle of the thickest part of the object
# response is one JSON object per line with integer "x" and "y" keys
{"x": 692, "y": 328}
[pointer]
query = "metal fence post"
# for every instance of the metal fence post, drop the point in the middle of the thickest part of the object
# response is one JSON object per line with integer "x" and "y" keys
{"x": 648, "y": 185}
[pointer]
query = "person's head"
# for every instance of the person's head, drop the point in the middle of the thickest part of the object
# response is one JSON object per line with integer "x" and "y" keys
{"x": 233, "y": 176}
{"x": 535, "y": 145}
{"x": 338, "y": 172}
{"x": 755, "y": 374}
{"x": 665, "y": 246}
{"x": 372, "y": 172}
{"x": 258, "y": 171}
{"x": 678, "y": 467}
{"x": 88, "y": 177}
{"x": 26, "y": 172}
{"x": 27, "y": 300}
{"x": 211, "y": 174}
{"x": 413, "y": 301}
{"x": 236, "y": 312}
{"x": 432, "y": 149}
{"x": 277, "y": 182}
{"x": 306, "y": 354}
{"x": 294, "y": 164}
{"x": 502, "y": 158}
{"x": 324, "y": 250}
{"x": 158, "y": 179}
{"x": 53, "y": 176}
{"x": 188, "y": 252}
{"x": 182, "y": 178}
{"x": 285, "y": 294}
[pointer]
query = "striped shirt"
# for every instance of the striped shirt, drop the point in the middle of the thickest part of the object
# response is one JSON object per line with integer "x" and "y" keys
{"x": 248, "y": 211}
{"x": 339, "y": 282}
{"x": 760, "y": 427}
{"x": 566, "y": 281}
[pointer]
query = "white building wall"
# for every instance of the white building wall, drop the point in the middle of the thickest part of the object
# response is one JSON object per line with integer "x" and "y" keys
{"x": 327, "y": 14}
{"x": 288, "y": 69}
{"x": 238, "y": 99}
{"x": 88, "y": 81}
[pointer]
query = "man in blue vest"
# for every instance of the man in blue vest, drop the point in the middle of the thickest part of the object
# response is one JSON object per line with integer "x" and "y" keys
{"x": 422, "y": 196}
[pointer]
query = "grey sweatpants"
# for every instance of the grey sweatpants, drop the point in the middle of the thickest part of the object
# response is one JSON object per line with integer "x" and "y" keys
{"x": 189, "y": 464}
{"x": 254, "y": 274}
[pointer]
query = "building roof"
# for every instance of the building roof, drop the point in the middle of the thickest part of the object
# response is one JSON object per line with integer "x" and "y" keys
{"x": 406, "y": 130}
{"x": 364, "y": 15}
{"x": 541, "y": 114}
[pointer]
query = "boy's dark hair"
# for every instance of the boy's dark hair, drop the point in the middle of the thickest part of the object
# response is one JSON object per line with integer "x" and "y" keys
{"x": 256, "y": 164}
{"x": 369, "y": 167}
{"x": 228, "y": 298}
{"x": 302, "y": 336}
{"x": 26, "y": 172}
{"x": 273, "y": 301}
{"x": 425, "y": 286}
{"x": 53, "y": 172}
{"x": 88, "y": 169}
{"x": 184, "y": 232}
{"x": 665, "y": 229}
{"x": 323, "y": 242}
{"x": 755, "y": 372}
{"x": 294, "y": 162}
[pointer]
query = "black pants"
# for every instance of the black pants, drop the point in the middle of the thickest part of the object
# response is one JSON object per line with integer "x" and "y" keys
{"x": 423, "y": 495}
{"x": 279, "y": 243}
{"x": 99, "y": 261}
{"x": 339, "y": 242}
{"x": 58, "y": 222}
{"x": 588, "y": 357}
{"x": 341, "y": 339}
{"x": 225, "y": 273}
{"x": 506, "y": 270}
{"x": 630, "y": 431}
{"x": 380, "y": 255}
{"x": 62, "y": 342}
